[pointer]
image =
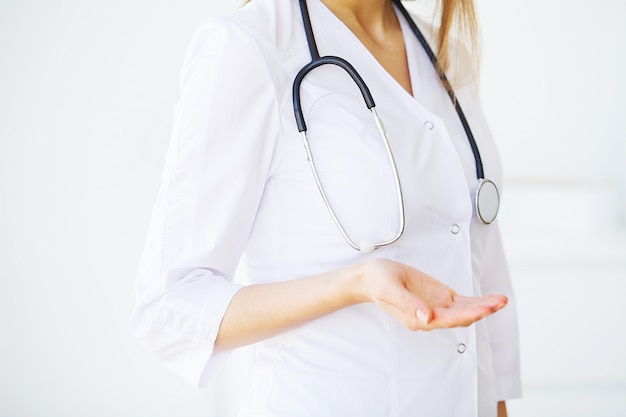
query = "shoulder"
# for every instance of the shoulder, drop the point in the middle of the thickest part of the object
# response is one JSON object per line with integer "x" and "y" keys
{"x": 269, "y": 25}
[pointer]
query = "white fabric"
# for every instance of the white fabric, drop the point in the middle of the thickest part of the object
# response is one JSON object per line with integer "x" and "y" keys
{"x": 237, "y": 182}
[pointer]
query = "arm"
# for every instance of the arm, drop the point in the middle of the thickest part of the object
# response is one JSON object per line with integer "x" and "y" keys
{"x": 215, "y": 170}
{"x": 502, "y": 409}
{"x": 417, "y": 300}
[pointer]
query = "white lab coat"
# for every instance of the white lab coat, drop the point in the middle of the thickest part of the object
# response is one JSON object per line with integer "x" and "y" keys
{"x": 237, "y": 185}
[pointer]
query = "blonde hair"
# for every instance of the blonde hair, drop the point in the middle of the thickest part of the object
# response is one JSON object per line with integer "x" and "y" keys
{"x": 457, "y": 19}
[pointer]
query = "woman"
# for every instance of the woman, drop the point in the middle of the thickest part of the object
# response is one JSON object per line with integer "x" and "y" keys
{"x": 340, "y": 332}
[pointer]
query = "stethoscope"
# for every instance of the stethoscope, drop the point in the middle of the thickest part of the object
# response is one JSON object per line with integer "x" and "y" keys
{"x": 487, "y": 198}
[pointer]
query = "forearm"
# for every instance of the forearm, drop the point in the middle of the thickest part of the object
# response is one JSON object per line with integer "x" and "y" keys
{"x": 502, "y": 409}
{"x": 257, "y": 312}
{"x": 412, "y": 297}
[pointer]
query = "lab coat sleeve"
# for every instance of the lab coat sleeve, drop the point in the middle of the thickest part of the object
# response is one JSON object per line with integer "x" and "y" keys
{"x": 502, "y": 326}
{"x": 220, "y": 155}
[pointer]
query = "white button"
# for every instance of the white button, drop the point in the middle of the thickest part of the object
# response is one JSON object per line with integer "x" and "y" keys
{"x": 429, "y": 125}
{"x": 455, "y": 229}
{"x": 461, "y": 348}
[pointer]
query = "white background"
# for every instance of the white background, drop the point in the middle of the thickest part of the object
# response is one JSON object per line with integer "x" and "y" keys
{"x": 87, "y": 90}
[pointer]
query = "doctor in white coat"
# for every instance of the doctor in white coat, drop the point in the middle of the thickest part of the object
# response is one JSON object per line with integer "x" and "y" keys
{"x": 339, "y": 332}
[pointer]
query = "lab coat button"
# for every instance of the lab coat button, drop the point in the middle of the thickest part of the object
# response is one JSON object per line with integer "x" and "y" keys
{"x": 455, "y": 229}
{"x": 461, "y": 348}
{"x": 429, "y": 125}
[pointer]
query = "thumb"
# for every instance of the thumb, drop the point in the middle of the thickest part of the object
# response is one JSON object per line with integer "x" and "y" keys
{"x": 424, "y": 314}
{"x": 410, "y": 304}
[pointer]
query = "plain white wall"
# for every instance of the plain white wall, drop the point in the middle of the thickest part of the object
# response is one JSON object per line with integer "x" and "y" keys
{"x": 554, "y": 93}
{"x": 87, "y": 90}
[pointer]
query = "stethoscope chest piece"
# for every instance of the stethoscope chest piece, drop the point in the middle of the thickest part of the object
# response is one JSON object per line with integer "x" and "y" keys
{"x": 487, "y": 201}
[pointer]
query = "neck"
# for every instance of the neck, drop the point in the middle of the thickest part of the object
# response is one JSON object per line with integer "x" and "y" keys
{"x": 372, "y": 16}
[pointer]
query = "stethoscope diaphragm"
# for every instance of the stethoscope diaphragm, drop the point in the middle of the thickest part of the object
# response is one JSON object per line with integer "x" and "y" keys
{"x": 487, "y": 201}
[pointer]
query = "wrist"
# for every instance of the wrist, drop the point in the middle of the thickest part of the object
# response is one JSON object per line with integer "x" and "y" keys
{"x": 351, "y": 283}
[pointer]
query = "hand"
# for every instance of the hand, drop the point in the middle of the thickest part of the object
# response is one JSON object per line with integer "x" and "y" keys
{"x": 419, "y": 301}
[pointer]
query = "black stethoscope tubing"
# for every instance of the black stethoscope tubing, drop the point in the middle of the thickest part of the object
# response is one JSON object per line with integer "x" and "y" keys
{"x": 487, "y": 197}
{"x": 457, "y": 106}
{"x": 317, "y": 61}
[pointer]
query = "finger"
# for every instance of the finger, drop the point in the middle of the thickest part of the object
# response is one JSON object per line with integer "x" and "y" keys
{"x": 461, "y": 314}
{"x": 408, "y": 320}
{"x": 493, "y": 301}
{"x": 445, "y": 318}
